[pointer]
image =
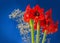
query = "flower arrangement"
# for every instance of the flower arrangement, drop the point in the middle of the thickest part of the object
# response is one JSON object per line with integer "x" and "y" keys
{"x": 34, "y": 20}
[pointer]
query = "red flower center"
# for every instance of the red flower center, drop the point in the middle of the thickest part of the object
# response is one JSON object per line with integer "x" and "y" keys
{"x": 36, "y": 13}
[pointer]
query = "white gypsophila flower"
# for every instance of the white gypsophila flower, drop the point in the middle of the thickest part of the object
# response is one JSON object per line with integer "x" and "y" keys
{"x": 24, "y": 28}
{"x": 14, "y": 13}
{"x": 17, "y": 15}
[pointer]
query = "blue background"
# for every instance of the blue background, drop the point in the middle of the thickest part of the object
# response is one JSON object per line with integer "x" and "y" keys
{"x": 8, "y": 31}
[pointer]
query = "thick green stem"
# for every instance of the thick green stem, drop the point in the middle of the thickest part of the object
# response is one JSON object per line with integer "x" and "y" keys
{"x": 32, "y": 30}
{"x": 38, "y": 33}
{"x": 44, "y": 37}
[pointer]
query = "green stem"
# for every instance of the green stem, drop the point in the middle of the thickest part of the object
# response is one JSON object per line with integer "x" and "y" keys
{"x": 38, "y": 33}
{"x": 32, "y": 30}
{"x": 44, "y": 37}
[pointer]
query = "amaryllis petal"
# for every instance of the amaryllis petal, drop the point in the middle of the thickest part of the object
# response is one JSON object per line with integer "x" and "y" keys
{"x": 49, "y": 12}
{"x": 37, "y": 7}
{"x": 41, "y": 10}
{"x": 25, "y": 19}
{"x": 41, "y": 17}
{"x": 28, "y": 8}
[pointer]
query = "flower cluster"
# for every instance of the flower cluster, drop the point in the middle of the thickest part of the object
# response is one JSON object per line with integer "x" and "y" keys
{"x": 37, "y": 14}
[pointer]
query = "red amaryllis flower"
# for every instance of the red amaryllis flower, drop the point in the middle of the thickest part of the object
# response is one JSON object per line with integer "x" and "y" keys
{"x": 48, "y": 23}
{"x": 37, "y": 14}
{"x": 51, "y": 27}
